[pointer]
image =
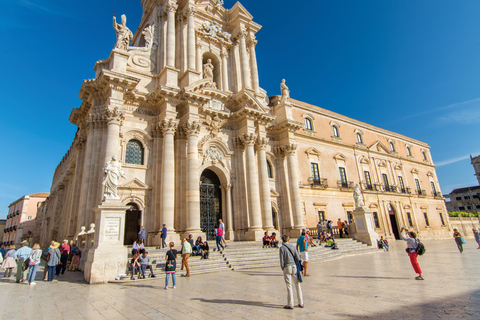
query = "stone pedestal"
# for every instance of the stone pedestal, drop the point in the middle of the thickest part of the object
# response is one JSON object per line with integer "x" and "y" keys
{"x": 108, "y": 257}
{"x": 169, "y": 77}
{"x": 294, "y": 233}
{"x": 189, "y": 77}
{"x": 364, "y": 229}
{"x": 254, "y": 235}
{"x": 229, "y": 235}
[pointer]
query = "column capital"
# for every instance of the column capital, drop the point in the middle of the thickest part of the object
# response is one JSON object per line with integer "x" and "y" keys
{"x": 289, "y": 149}
{"x": 192, "y": 128}
{"x": 224, "y": 52}
{"x": 114, "y": 115}
{"x": 171, "y": 6}
{"x": 189, "y": 10}
{"x": 248, "y": 139}
{"x": 226, "y": 187}
{"x": 168, "y": 126}
{"x": 262, "y": 143}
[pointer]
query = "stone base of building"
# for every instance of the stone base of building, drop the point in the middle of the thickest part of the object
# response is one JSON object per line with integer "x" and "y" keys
{"x": 254, "y": 235}
{"x": 230, "y": 235}
{"x": 295, "y": 233}
{"x": 363, "y": 227}
{"x": 105, "y": 263}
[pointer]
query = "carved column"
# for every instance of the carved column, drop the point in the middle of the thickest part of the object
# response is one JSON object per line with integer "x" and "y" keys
{"x": 192, "y": 130}
{"x": 171, "y": 8}
{"x": 114, "y": 120}
{"x": 253, "y": 62}
{"x": 199, "y": 57}
{"x": 289, "y": 150}
{"x": 168, "y": 128}
{"x": 224, "y": 69}
{"x": 191, "y": 37}
{"x": 264, "y": 184}
{"x": 244, "y": 60}
{"x": 252, "y": 183}
{"x": 228, "y": 206}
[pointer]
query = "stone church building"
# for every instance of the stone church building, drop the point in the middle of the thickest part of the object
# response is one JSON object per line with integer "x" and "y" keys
{"x": 179, "y": 103}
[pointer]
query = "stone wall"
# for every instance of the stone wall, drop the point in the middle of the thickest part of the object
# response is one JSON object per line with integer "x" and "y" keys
{"x": 465, "y": 225}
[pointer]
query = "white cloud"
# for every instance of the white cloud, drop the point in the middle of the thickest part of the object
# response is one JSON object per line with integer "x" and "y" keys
{"x": 453, "y": 160}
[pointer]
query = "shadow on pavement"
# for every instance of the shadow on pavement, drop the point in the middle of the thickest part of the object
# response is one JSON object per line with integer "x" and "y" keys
{"x": 244, "y": 302}
{"x": 371, "y": 277}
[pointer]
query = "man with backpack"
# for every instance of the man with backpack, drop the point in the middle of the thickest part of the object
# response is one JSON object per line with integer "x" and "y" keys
{"x": 414, "y": 248}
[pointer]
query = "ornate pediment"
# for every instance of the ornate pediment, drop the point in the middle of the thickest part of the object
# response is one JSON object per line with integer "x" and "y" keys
{"x": 414, "y": 171}
{"x": 340, "y": 157}
{"x": 364, "y": 160}
{"x": 380, "y": 147}
{"x": 373, "y": 205}
{"x": 382, "y": 163}
{"x": 429, "y": 174}
{"x": 398, "y": 166}
{"x": 313, "y": 152}
{"x": 134, "y": 184}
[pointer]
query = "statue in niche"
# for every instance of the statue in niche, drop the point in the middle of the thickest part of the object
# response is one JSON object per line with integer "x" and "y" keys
{"x": 208, "y": 70}
{"x": 357, "y": 196}
{"x": 124, "y": 35}
{"x": 285, "y": 92}
{"x": 112, "y": 170}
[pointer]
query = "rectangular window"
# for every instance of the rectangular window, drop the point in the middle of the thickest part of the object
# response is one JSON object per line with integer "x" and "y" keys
{"x": 477, "y": 206}
{"x": 401, "y": 184}
{"x": 343, "y": 177}
{"x": 427, "y": 223}
{"x": 419, "y": 189}
{"x": 315, "y": 172}
{"x": 461, "y": 208}
{"x": 350, "y": 216}
{"x": 368, "y": 181}
{"x": 466, "y": 197}
{"x": 458, "y": 198}
{"x": 441, "y": 218}
{"x": 321, "y": 217}
{"x": 29, "y": 218}
{"x": 475, "y": 196}
{"x": 385, "y": 182}
{"x": 375, "y": 219}
{"x": 434, "y": 190}
{"x": 469, "y": 208}
{"x": 409, "y": 217}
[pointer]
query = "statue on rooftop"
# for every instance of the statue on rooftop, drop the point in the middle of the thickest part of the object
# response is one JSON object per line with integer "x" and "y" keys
{"x": 285, "y": 92}
{"x": 124, "y": 35}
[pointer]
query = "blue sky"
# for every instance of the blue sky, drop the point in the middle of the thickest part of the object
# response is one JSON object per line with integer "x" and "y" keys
{"x": 412, "y": 67}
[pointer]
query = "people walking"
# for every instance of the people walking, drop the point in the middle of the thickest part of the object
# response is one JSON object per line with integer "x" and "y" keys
{"x": 221, "y": 225}
{"x": 64, "y": 251}
{"x": 319, "y": 230}
{"x": 458, "y": 240}
{"x": 35, "y": 258}
{"x": 477, "y": 236}
{"x": 45, "y": 269}
{"x": 76, "y": 255}
{"x": 345, "y": 228}
{"x": 302, "y": 247}
{"x": 329, "y": 227}
{"x": 186, "y": 251}
{"x": 288, "y": 255}
{"x": 53, "y": 259}
{"x": 21, "y": 256}
{"x": 412, "y": 244}
{"x": 164, "y": 235}
{"x": 9, "y": 262}
{"x": 340, "y": 228}
{"x": 171, "y": 265}
{"x": 218, "y": 237}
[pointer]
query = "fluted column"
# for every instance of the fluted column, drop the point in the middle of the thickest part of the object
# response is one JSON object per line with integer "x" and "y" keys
{"x": 168, "y": 128}
{"x": 228, "y": 206}
{"x": 192, "y": 130}
{"x": 252, "y": 182}
{"x": 264, "y": 184}
{"x": 244, "y": 60}
{"x": 191, "y": 37}
{"x": 293, "y": 185}
{"x": 114, "y": 120}
{"x": 253, "y": 62}
{"x": 171, "y": 8}
{"x": 224, "y": 69}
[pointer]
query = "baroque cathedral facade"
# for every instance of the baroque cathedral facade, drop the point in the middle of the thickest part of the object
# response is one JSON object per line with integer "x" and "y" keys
{"x": 180, "y": 104}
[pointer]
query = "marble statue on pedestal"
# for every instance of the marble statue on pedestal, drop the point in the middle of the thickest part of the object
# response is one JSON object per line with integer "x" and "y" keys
{"x": 285, "y": 92}
{"x": 124, "y": 35}
{"x": 208, "y": 70}
{"x": 113, "y": 170}
{"x": 357, "y": 196}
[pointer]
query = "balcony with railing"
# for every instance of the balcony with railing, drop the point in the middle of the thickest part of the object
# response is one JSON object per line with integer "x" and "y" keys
{"x": 437, "y": 194}
{"x": 421, "y": 193}
{"x": 318, "y": 183}
{"x": 345, "y": 184}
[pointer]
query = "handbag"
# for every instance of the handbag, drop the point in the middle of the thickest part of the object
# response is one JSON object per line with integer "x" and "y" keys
{"x": 298, "y": 264}
{"x": 169, "y": 268}
{"x": 462, "y": 239}
{"x": 26, "y": 264}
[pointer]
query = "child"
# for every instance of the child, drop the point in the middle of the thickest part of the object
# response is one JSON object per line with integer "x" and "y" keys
{"x": 144, "y": 261}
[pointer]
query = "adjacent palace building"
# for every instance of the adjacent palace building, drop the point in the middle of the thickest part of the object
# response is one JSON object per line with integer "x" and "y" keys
{"x": 180, "y": 104}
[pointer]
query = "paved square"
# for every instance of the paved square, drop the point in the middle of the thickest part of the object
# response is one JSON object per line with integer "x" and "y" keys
{"x": 371, "y": 286}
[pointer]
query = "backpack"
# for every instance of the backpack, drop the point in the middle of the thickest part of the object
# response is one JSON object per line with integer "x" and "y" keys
{"x": 420, "y": 248}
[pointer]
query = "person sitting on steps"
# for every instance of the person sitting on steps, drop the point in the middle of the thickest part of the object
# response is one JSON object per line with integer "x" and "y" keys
{"x": 266, "y": 240}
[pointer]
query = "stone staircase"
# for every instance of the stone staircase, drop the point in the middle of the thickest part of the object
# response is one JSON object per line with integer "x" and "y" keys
{"x": 247, "y": 255}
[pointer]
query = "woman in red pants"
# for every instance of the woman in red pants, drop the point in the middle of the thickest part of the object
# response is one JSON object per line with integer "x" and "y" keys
{"x": 412, "y": 251}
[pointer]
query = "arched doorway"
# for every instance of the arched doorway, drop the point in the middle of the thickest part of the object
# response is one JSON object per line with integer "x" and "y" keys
{"x": 393, "y": 221}
{"x": 210, "y": 203}
{"x": 132, "y": 224}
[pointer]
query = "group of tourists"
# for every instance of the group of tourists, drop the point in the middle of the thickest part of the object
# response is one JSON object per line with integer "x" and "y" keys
{"x": 343, "y": 229}
{"x": 26, "y": 260}
{"x": 460, "y": 241}
{"x": 270, "y": 241}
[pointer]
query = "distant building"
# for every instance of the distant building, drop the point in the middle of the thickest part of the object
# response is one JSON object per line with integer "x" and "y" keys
{"x": 3, "y": 222}
{"x": 20, "y": 218}
{"x": 466, "y": 199}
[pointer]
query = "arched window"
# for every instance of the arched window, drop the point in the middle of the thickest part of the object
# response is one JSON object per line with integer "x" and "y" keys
{"x": 359, "y": 138}
{"x": 409, "y": 152}
{"x": 392, "y": 147}
{"x": 269, "y": 170}
{"x": 335, "y": 131}
{"x": 308, "y": 124}
{"x": 134, "y": 154}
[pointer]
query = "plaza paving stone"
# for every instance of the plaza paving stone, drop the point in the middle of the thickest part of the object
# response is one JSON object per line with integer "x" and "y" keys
{"x": 371, "y": 286}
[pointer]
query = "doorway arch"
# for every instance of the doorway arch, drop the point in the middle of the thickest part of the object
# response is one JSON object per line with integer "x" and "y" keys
{"x": 132, "y": 223}
{"x": 210, "y": 202}
{"x": 393, "y": 221}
